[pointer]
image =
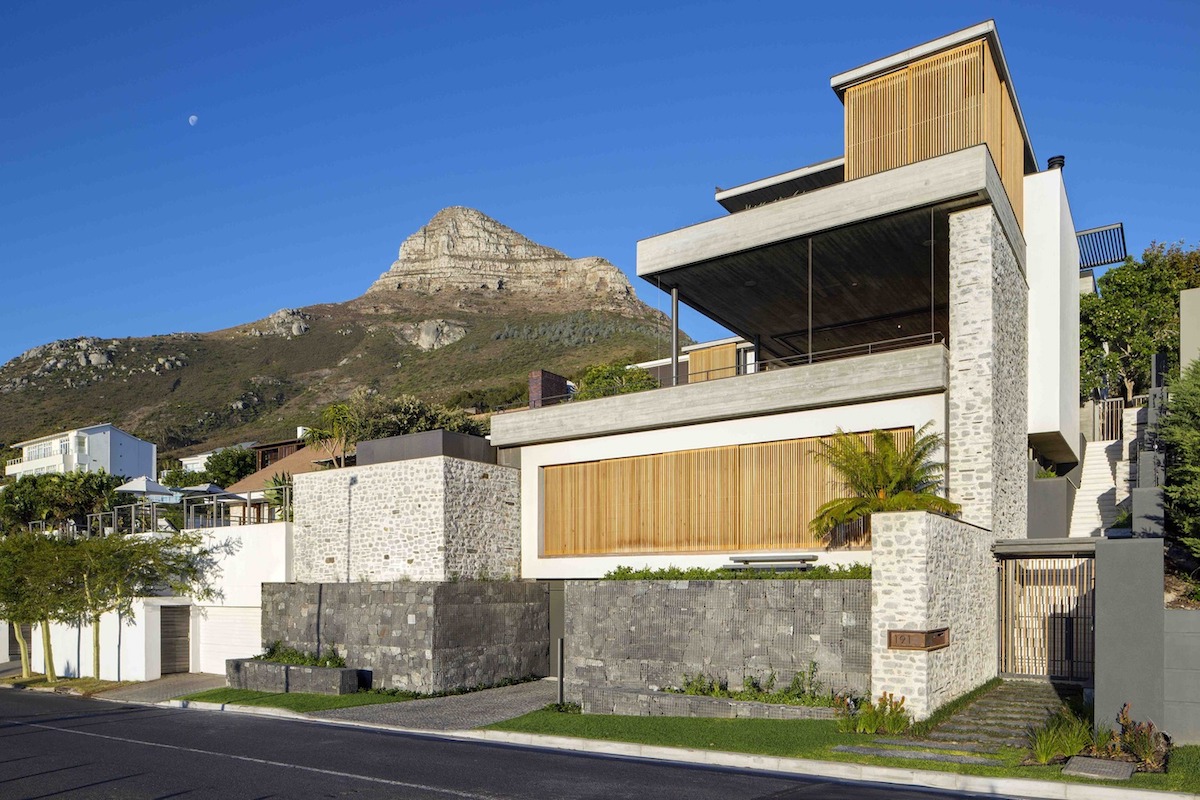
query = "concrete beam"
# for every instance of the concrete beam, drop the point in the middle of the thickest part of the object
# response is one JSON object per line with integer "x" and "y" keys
{"x": 966, "y": 174}
{"x": 862, "y": 379}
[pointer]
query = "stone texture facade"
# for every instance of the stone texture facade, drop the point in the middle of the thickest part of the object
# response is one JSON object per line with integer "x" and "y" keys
{"x": 263, "y": 676}
{"x": 424, "y": 637}
{"x": 645, "y": 703}
{"x": 642, "y": 634}
{"x": 988, "y": 410}
{"x": 425, "y": 519}
{"x": 930, "y": 571}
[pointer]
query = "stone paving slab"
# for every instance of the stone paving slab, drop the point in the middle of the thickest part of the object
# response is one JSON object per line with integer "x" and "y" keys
{"x": 1084, "y": 767}
{"x": 1011, "y": 741}
{"x": 165, "y": 688}
{"x": 919, "y": 755}
{"x": 457, "y": 712}
{"x": 962, "y": 746}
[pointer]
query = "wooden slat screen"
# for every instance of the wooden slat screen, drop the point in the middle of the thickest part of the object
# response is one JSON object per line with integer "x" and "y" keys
{"x": 710, "y": 363}
{"x": 934, "y": 106}
{"x": 1047, "y": 612}
{"x": 723, "y": 499}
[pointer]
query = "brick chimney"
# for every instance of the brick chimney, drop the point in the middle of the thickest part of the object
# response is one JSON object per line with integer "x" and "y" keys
{"x": 546, "y": 388}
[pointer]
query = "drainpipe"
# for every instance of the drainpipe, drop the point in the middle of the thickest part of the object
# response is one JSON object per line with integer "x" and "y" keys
{"x": 674, "y": 335}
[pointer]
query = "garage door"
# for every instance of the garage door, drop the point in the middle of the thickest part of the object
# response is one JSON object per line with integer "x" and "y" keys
{"x": 176, "y": 639}
{"x": 14, "y": 647}
{"x": 224, "y": 632}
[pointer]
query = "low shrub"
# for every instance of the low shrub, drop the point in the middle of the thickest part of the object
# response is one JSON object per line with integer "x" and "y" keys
{"x": 407, "y": 694}
{"x": 564, "y": 708}
{"x": 1143, "y": 742}
{"x": 1066, "y": 734}
{"x": 803, "y": 690}
{"x": 1060, "y": 737}
{"x": 277, "y": 653}
{"x": 885, "y": 715}
{"x": 821, "y": 572}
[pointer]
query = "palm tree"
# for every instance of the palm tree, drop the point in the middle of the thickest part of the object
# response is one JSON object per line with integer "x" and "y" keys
{"x": 338, "y": 431}
{"x": 879, "y": 476}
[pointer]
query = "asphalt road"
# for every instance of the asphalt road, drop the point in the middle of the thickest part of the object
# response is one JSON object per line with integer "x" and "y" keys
{"x": 52, "y": 746}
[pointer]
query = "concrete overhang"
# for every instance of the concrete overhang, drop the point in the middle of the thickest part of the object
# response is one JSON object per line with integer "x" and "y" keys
{"x": 785, "y": 184}
{"x": 861, "y": 379}
{"x": 966, "y": 176}
{"x": 983, "y": 30}
{"x": 1037, "y": 548}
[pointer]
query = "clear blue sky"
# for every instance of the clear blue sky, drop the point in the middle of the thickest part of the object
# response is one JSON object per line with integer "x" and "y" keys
{"x": 329, "y": 131}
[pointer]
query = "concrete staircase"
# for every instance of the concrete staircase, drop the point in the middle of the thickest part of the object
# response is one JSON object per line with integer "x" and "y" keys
{"x": 1096, "y": 501}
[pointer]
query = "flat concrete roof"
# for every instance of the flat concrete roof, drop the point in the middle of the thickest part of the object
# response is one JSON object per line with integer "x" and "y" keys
{"x": 860, "y": 379}
{"x": 793, "y": 181}
{"x": 987, "y": 29}
{"x": 1033, "y": 548}
{"x": 965, "y": 174}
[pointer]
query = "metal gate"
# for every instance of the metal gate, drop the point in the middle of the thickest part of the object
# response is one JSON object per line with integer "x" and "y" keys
{"x": 175, "y": 639}
{"x": 1047, "y": 613}
{"x": 1109, "y": 414}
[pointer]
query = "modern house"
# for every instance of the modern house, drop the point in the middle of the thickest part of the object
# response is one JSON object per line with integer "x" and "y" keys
{"x": 928, "y": 274}
{"x": 87, "y": 449}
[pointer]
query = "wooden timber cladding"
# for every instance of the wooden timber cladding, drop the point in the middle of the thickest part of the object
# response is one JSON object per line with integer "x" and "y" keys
{"x": 710, "y": 363}
{"x": 739, "y": 497}
{"x": 937, "y": 105}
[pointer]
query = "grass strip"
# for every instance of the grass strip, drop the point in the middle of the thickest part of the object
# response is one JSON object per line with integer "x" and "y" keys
{"x": 293, "y": 701}
{"x": 813, "y": 739}
{"x": 84, "y": 686}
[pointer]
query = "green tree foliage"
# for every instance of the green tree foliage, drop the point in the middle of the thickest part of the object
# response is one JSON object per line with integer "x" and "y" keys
{"x": 177, "y": 477}
{"x": 62, "y": 501}
{"x": 227, "y": 467}
{"x": 19, "y": 587}
{"x": 605, "y": 380}
{"x": 879, "y": 476}
{"x": 369, "y": 415}
{"x": 1135, "y": 316}
{"x": 1179, "y": 433}
{"x": 24, "y": 501}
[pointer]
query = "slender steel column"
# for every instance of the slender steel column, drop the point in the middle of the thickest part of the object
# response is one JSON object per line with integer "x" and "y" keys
{"x": 674, "y": 335}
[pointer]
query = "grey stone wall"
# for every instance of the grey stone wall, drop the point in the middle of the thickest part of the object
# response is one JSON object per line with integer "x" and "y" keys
{"x": 420, "y": 636}
{"x": 426, "y": 519}
{"x": 645, "y": 703}
{"x": 930, "y": 571}
{"x": 988, "y": 410}
{"x": 263, "y": 676}
{"x": 638, "y": 634}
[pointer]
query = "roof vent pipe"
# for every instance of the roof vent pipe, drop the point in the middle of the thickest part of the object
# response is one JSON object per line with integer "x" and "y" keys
{"x": 1056, "y": 162}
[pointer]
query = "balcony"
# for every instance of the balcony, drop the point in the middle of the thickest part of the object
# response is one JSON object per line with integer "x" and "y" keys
{"x": 920, "y": 368}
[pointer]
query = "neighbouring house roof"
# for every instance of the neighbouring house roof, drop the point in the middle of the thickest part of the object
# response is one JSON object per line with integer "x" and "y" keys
{"x": 64, "y": 433}
{"x": 306, "y": 459}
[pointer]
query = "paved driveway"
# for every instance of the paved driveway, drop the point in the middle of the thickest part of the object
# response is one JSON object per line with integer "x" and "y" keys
{"x": 166, "y": 688}
{"x": 455, "y": 713}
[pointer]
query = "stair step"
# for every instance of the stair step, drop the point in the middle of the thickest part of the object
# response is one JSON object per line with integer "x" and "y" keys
{"x": 916, "y": 755}
{"x": 965, "y": 738}
{"x": 967, "y": 748}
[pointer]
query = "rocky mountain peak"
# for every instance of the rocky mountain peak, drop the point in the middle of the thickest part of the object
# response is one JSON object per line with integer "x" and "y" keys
{"x": 465, "y": 250}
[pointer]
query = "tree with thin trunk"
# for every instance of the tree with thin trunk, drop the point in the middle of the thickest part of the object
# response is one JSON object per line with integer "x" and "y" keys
{"x": 336, "y": 432}
{"x": 18, "y": 590}
{"x": 878, "y": 476}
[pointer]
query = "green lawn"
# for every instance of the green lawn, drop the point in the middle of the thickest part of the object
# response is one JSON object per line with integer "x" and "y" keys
{"x": 813, "y": 739}
{"x": 302, "y": 703}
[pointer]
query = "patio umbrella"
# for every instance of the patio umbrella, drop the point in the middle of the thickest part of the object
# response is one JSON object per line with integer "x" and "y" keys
{"x": 145, "y": 487}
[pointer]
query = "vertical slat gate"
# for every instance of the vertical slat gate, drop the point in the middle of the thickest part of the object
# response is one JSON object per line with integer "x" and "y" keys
{"x": 1110, "y": 413}
{"x": 1047, "y": 612}
{"x": 175, "y": 639}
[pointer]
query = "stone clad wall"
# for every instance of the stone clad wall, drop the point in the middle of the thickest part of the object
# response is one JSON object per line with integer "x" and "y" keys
{"x": 988, "y": 409}
{"x": 930, "y": 571}
{"x": 638, "y": 634}
{"x": 425, "y": 519}
{"x": 424, "y": 637}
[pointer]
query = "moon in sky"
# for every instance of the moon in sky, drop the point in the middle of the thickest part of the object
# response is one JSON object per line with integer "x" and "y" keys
{"x": 192, "y": 120}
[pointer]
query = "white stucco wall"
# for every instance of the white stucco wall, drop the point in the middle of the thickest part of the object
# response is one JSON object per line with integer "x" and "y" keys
{"x": 3, "y": 642}
{"x": 129, "y": 646}
{"x": 230, "y": 625}
{"x": 931, "y": 572}
{"x": 913, "y": 411}
{"x": 1052, "y": 270}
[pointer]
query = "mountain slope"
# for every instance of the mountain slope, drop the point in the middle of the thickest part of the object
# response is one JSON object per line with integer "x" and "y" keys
{"x": 469, "y": 305}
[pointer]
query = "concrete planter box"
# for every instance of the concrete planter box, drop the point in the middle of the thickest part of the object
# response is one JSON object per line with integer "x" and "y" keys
{"x": 647, "y": 703}
{"x": 264, "y": 676}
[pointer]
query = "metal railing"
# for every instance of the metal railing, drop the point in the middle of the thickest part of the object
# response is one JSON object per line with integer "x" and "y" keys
{"x": 770, "y": 365}
{"x": 258, "y": 507}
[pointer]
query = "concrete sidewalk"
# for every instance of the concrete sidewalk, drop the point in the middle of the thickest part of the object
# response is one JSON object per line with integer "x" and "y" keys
{"x": 167, "y": 688}
{"x": 456, "y": 712}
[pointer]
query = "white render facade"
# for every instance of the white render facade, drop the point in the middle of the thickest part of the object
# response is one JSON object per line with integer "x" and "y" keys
{"x": 96, "y": 447}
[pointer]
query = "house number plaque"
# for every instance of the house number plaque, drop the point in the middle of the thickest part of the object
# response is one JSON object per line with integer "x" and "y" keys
{"x": 935, "y": 639}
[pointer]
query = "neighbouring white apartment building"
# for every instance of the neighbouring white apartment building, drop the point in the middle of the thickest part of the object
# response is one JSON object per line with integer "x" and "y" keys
{"x": 89, "y": 449}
